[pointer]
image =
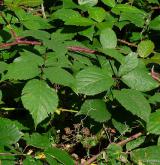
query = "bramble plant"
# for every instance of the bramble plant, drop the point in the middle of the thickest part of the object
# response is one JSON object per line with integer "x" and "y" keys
{"x": 79, "y": 82}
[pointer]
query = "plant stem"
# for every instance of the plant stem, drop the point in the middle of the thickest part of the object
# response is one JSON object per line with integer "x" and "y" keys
{"x": 121, "y": 143}
{"x": 127, "y": 43}
{"x": 10, "y": 154}
{"x": 67, "y": 110}
{"x": 43, "y": 11}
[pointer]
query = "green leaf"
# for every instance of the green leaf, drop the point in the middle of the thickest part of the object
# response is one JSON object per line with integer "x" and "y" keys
{"x": 72, "y": 17}
{"x": 32, "y": 161}
{"x": 53, "y": 59}
{"x": 110, "y": 3}
{"x": 89, "y": 32}
{"x": 113, "y": 152}
{"x": 140, "y": 79}
{"x": 148, "y": 155}
{"x": 155, "y": 98}
{"x": 88, "y": 2}
{"x": 7, "y": 160}
{"x": 3, "y": 67}
{"x": 153, "y": 1}
{"x": 96, "y": 109}
{"x": 155, "y": 23}
{"x": 136, "y": 37}
{"x": 130, "y": 63}
{"x": 9, "y": 132}
{"x": 69, "y": 4}
{"x": 79, "y": 21}
{"x": 97, "y": 13}
{"x": 158, "y": 143}
{"x": 60, "y": 155}
{"x": 115, "y": 54}
{"x": 60, "y": 36}
{"x": 52, "y": 161}
{"x": 153, "y": 59}
{"x": 24, "y": 67}
{"x": 134, "y": 18}
{"x": 29, "y": 3}
{"x": 108, "y": 23}
{"x": 135, "y": 143}
{"x": 108, "y": 38}
{"x": 119, "y": 8}
{"x": 39, "y": 99}
{"x": 31, "y": 21}
{"x": 59, "y": 76}
{"x": 153, "y": 125}
{"x": 92, "y": 80}
{"x": 135, "y": 103}
{"x": 65, "y": 14}
{"x": 38, "y": 34}
{"x": 57, "y": 47}
{"x": 37, "y": 140}
{"x": 121, "y": 127}
{"x": 145, "y": 48}
{"x": 131, "y": 13}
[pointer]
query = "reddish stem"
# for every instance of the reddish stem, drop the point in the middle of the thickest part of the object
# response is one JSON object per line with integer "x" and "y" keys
{"x": 19, "y": 42}
{"x": 155, "y": 75}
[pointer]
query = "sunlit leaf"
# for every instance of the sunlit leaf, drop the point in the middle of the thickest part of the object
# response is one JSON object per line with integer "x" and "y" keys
{"x": 135, "y": 103}
{"x": 39, "y": 99}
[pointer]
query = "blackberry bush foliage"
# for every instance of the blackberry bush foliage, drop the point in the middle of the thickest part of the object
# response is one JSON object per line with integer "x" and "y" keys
{"x": 79, "y": 82}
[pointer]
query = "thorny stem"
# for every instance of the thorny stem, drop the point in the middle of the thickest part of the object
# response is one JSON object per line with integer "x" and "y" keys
{"x": 22, "y": 41}
{"x": 17, "y": 40}
{"x": 135, "y": 136}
